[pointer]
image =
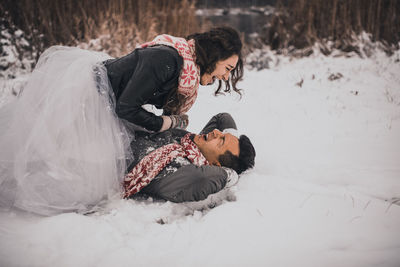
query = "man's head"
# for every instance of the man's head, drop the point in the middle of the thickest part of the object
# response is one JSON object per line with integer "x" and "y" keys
{"x": 225, "y": 149}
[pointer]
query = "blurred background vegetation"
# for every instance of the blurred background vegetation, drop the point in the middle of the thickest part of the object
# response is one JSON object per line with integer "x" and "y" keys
{"x": 117, "y": 26}
{"x": 302, "y": 23}
{"x": 120, "y": 24}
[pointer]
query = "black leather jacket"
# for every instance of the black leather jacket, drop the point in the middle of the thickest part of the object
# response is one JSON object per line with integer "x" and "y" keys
{"x": 145, "y": 76}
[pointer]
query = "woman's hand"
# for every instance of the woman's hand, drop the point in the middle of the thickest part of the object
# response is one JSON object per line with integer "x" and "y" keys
{"x": 179, "y": 121}
{"x": 175, "y": 121}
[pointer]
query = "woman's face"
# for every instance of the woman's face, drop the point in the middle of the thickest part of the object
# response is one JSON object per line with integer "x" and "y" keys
{"x": 222, "y": 70}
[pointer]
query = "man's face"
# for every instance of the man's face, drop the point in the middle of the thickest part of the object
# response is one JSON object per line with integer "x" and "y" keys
{"x": 215, "y": 143}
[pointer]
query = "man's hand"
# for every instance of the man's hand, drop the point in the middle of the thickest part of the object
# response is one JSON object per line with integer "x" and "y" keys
{"x": 179, "y": 121}
{"x": 232, "y": 178}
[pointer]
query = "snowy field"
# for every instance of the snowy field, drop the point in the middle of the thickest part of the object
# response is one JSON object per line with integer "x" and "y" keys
{"x": 325, "y": 190}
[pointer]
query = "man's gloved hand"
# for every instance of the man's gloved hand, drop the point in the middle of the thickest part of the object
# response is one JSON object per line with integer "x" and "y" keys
{"x": 179, "y": 121}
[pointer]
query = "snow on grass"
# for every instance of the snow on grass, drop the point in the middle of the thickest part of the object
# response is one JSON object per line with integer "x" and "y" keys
{"x": 323, "y": 192}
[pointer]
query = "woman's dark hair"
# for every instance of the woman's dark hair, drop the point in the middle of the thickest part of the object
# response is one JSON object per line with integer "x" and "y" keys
{"x": 219, "y": 44}
{"x": 244, "y": 161}
{"x": 212, "y": 46}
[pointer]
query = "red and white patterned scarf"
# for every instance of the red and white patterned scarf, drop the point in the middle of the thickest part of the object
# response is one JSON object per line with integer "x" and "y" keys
{"x": 151, "y": 165}
{"x": 189, "y": 77}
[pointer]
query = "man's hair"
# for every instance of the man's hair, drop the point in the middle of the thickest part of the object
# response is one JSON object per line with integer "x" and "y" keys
{"x": 246, "y": 157}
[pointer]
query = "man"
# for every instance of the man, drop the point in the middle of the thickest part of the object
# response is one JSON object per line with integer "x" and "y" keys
{"x": 179, "y": 166}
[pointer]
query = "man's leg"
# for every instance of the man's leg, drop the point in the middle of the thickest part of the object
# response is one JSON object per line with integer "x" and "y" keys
{"x": 221, "y": 122}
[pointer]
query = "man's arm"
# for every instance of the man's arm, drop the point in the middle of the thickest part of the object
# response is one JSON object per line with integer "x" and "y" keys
{"x": 221, "y": 122}
{"x": 188, "y": 183}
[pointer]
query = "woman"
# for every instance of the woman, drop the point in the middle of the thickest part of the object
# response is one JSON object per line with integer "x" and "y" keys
{"x": 166, "y": 72}
{"x": 62, "y": 145}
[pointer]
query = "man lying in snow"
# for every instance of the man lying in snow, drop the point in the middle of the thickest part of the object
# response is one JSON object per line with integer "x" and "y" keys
{"x": 179, "y": 166}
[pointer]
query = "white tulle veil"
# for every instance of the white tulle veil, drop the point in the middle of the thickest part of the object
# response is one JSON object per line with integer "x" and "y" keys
{"x": 62, "y": 148}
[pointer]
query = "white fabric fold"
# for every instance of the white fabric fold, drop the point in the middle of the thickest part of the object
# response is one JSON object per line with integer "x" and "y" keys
{"x": 62, "y": 148}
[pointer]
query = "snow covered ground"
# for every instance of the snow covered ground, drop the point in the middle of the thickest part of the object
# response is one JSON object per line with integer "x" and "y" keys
{"x": 325, "y": 190}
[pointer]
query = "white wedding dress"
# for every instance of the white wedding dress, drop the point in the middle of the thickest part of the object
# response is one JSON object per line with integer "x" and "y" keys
{"x": 62, "y": 148}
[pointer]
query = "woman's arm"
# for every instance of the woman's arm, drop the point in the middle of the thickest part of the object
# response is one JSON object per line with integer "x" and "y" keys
{"x": 156, "y": 67}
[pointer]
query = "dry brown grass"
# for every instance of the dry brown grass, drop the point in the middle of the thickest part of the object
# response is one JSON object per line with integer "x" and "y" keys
{"x": 301, "y": 23}
{"x": 119, "y": 24}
